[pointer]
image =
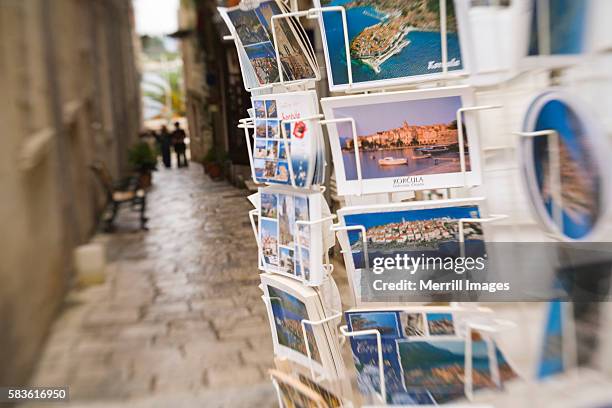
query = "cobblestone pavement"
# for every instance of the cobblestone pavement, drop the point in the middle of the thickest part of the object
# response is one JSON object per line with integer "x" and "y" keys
{"x": 179, "y": 320}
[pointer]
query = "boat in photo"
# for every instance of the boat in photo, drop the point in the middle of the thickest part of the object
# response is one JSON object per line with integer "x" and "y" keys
{"x": 433, "y": 149}
{"x": 392, "y": 161}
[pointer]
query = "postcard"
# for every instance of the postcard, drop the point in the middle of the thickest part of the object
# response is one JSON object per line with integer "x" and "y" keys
{"x": 584, "y": 152}
{"x": 288, "y": 248}
{"x": 288, "y": 303}
{"x": 420, "y": 230}
{"x": 561, "y": 39}
{"x": 552, "y": 358}
{"x": 254, "y": 37}
{"x": 331, "y": 400}
{"x": 291, "y": 145}
{"x": 295, "y": 394}
{"x": 424, "y": 354}
{"x": 405, "y": 141}
{"x": 390, "y": 43}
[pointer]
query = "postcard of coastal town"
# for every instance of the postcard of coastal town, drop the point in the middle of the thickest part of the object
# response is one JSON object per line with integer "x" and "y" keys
{"x": 288, "y": 248}
{"x": 391, "y": 42}
{"x": 411, "y": 228}
{"x": 288, "y": 303}
{"x": 272, "y": 136}
{"x": 405, "y": 141}
{"x": 252, "y": 30}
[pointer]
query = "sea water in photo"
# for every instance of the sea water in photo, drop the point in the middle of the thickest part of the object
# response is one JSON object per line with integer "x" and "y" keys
{"x": 406, "y": 138}
{"x": 431, "y": 232}
{"x": 410, "y": 46}
{"x": 288, "y": 313}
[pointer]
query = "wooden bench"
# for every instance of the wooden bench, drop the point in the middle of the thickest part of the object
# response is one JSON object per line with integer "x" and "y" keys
{"x": 128, "y": 191}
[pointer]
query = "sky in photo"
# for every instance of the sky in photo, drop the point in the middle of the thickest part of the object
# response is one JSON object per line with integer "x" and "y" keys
{"x": 372, "y": 118}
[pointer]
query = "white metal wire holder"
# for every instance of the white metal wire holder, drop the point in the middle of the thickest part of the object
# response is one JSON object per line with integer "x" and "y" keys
{"x": 460, "y": 135}
{"x": 299, "y": 245}
{"x": 355, "y": 146}
{"x": 304, "y": 322}
{"x": 490, "y": 330}
{"x": 366, "y": 258}
{"x": 252, "y": 214}
{"x": 554, "y": 164}
{"x": 461, "y": 221}
{"x": 381, "y": 362}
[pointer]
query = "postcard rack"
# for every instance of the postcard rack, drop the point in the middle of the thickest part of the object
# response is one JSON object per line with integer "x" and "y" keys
{"x": 510, "y": 141}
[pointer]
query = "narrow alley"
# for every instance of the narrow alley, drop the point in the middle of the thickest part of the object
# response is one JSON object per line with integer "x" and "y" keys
{"x": 180, "y": 312}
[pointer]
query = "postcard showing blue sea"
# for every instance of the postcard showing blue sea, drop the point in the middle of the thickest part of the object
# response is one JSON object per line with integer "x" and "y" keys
{"x": 389, "y": 39}
{"x": 403, "y": 138}
{"x": 438, "y": 367}
{"x": 431, "y": 232}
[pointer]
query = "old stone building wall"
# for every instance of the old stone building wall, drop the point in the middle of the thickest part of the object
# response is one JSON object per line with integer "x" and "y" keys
{"x": 70, "y": 97}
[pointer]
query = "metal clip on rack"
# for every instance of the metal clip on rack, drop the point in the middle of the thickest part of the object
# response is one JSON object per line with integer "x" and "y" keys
{"x": 459, "y": 115}
{"x": 381, "y": 362}
{"x": 326, "y": 265}
{"x": 355, "y": 144}
{"x": 364, "y": 239}
{"x": 489, "y": 328}
{"x": 461, "y": 221}
{"x": 554, "y": 164}
{"x": 304, "y": 322}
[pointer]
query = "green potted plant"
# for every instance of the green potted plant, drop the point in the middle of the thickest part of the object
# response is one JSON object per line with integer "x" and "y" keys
{"x": 212, "y": 165}
{"x": 143, "y": 159}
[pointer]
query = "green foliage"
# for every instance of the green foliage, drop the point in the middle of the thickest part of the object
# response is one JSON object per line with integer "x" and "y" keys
{"x": 142, "y": 157}
{"x": 171, "y": 88}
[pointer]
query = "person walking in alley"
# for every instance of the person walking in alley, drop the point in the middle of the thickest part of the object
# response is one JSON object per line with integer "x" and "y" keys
{"x": 165, "y": 144}
{"x": 178, "y": 137}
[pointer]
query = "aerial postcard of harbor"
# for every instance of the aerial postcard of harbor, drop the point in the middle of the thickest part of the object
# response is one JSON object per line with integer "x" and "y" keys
{"x": 389, "y": 40}
{"x": 432, "y": 232}
{"x": 407, "y": 138}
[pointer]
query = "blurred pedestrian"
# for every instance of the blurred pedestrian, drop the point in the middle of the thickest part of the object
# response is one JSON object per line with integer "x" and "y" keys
{"x": 178, "y": 138}
{"x": 165, "y": 143}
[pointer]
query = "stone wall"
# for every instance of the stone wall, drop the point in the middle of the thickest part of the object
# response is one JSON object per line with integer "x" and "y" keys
{"x": 70, "y": 97}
